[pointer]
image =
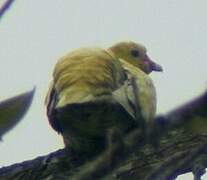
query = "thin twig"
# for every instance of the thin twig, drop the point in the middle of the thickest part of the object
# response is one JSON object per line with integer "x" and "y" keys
{"x": 5, "y": 7}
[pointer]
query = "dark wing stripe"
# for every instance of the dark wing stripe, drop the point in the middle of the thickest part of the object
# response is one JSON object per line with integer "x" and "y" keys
{"x": 51, "y": 111}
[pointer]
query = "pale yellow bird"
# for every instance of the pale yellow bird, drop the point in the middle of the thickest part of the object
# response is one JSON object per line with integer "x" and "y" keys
{"x": 94, "y": 89}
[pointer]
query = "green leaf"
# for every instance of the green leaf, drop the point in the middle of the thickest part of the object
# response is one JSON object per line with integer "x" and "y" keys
{"x": 12, "y": 110}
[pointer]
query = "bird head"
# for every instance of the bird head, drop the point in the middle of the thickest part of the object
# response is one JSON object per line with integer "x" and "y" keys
{"x": 135, "y": 54}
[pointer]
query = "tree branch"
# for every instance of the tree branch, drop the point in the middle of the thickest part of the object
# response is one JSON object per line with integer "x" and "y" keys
{"x": 181, "y": 137}
{"x": 5, "y": 7}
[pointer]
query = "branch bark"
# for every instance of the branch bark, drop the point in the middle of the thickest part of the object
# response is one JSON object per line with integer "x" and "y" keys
{"x": 180, "y": 146}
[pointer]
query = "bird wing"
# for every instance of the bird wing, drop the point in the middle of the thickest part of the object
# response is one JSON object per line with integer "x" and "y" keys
{"x": 93, "y": 74}
{"x": 137, "y": 94}
{"x": 84, "y": 75}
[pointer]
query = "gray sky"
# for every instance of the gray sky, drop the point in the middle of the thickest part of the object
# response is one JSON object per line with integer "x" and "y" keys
{"x": 34, "y": 34}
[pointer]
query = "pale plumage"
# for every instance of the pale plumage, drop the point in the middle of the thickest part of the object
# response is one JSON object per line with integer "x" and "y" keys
{"x": 86, "y": 74}
{"x": 107, "y": 82}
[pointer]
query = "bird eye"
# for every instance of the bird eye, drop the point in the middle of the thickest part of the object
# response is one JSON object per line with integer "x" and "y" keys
{"x": 135, "y": 53}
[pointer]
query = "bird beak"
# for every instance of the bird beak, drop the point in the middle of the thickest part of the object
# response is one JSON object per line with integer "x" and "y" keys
{"x": 152, "y": 66}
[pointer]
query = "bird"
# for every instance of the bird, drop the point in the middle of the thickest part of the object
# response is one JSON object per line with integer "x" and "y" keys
{"x": 94, "y": 89}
